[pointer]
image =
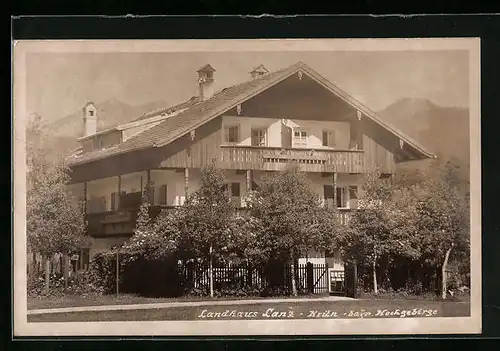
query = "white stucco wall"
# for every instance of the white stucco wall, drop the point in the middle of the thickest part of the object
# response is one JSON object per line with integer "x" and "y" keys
{"x": 175, "y": 185}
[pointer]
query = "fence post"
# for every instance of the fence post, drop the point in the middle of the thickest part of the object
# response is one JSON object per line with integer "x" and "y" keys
{"x": 249, "y": 275}
{"x": 327, "y": 280}
{"x": 310, "y": 277}
{"x": 117, "y": 272}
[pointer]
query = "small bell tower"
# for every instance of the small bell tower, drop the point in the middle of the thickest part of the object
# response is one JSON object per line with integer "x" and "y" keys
{"x": 89, "y": 119}
{"x": 206, "y": 82}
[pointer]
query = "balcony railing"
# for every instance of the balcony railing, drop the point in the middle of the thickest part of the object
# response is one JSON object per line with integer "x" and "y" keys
{"x": 119, "y": 222}
{"x": 276, "y": 159}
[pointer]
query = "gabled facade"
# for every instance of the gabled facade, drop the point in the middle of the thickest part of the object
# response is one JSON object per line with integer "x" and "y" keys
{"x": 255, "y": 127}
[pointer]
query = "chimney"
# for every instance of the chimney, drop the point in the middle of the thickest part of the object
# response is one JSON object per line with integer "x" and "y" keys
{"x": 258, "y": 71}
{"x": 206, "y": 82}
{"x": 89, "y": 119}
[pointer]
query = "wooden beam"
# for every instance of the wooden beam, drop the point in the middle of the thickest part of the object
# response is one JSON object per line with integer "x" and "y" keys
{"x": 249, "y": 181}
{"x": 186, "y": 183}
{"x": 118, "y": 199}
{"x": 148, "y": 189}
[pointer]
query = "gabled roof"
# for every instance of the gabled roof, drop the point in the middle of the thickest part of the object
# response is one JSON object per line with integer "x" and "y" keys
{"x": 201, "y": 112}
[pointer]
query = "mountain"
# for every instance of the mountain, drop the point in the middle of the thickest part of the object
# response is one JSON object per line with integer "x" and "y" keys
{"x": 63, "y": 133}
{"x": 110, "y": 113}
{"x": 443, "y": 130}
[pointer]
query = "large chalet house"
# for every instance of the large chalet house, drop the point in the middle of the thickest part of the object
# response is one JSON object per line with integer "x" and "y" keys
{"x": 258, "y": 126}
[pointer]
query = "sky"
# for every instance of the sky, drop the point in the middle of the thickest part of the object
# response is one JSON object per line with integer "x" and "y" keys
{"x": 59, "y": 84}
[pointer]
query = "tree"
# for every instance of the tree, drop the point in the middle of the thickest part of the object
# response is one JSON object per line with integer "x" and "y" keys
{"x": 442, "y": 223}
{"x": 153, "y": 238}
{"x": 371, "y": 227}
{"x": 204, "y": 220}
{"x": 55, "y": 220}
{"x": 291, "y": 219}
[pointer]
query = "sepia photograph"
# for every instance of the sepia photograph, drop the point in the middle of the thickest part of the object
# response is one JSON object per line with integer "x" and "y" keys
{"x": 247, "y": 187}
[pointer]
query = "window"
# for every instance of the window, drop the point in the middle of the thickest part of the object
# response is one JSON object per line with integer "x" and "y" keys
{"x": 233, "y": 189}
{"x": 328, "y": 191}
{"x": 163, "y": 194}
{"x": 91, "y": 112}
{"x": 329, "y": 138}
{"x": 231, "y": 134}
{"x": 341, "y": 197}
{"x": 299, "y": 138}
{"x": 259, "y": 137}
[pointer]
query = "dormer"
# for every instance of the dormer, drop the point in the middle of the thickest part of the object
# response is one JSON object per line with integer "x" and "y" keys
{"x": 258, "y": 71}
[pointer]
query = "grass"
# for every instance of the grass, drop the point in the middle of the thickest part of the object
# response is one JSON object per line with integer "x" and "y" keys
{"x": 126, "y": 299}
{"x": 343, "y": 309}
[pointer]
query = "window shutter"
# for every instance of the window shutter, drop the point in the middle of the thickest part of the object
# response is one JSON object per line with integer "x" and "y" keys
{"x": 325, "y": 138}
{"x": 113, "y": 201}
{"x": 102, "y": 203}
{"x": 353, "y": 192}
{"x": 331, "y": 139}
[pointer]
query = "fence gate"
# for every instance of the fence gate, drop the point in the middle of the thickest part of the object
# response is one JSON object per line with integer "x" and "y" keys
{"x": 317, "y": 278}
{"x": 350, "y": 280}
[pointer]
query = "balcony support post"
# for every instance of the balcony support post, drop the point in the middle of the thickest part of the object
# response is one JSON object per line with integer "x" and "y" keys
{"x": 335, "y": 189}
{"x": 186, "y": 183}
{"x": 249, "y": 181}
{"x": 118, "y": 200}
{"x": 148, "y": 181}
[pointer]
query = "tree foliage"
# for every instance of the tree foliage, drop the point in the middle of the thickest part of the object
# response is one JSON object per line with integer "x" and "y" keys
{"x": 55, "y": 220}
{"x": 291, "y": 216}
{"x": 412, "y": 224}
{"x": 204, "y": 220}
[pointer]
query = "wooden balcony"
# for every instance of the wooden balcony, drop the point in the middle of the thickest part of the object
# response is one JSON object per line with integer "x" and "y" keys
{"x": 276, "y": 159}
{"x": 116, "y": 223}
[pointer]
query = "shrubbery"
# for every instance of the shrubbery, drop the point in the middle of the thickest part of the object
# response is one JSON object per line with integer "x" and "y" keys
{"x": 81, "y": 284}
{"x": 151, "y": 277}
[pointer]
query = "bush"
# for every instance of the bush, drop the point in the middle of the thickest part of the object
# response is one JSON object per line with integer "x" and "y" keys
{"x": 152, "y": 277}
{"x": 226, "y": 292}
{"x": 79, "y": 284}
